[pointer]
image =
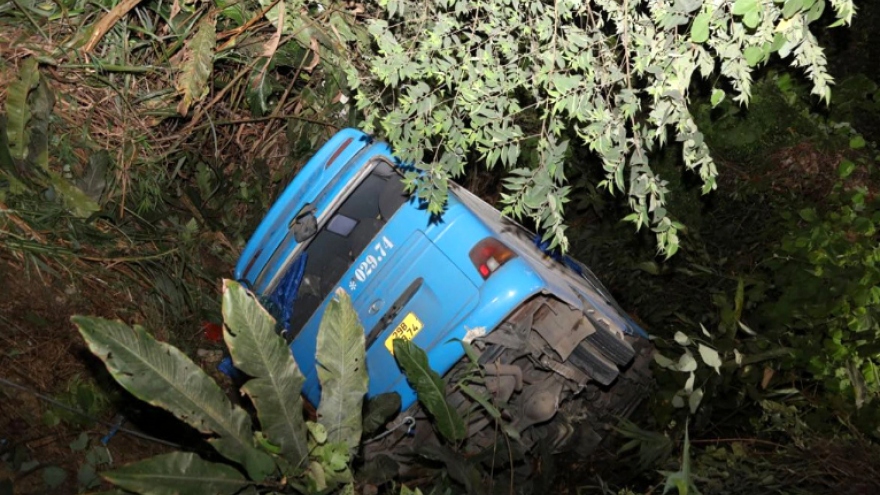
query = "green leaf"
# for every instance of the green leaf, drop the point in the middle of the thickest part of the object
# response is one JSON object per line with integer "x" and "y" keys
{"x": 75, "y": 200}
{"x": 54, "y": 476}
{"x": 649, "y": 267}
{"x": 846, "y": 169}
{"x": 682, "y": 339}
{"x": 752, "y": 19}
{"x": 94, "y": 180}
{"x": 277, "y": 383}
{"x": 743, "y": 7}
{"x": 689, "y": 384}
{"x": 700, "y": 27}
{"x": 792, "y": 7}
{"x": 18, "y": 112}
{"x": 81, "y": 442}
{"x": 687, "y": 363}
{"x": 265, "y": 444}
{"x": 161, "y": 375}
{"x": 429, "y": 387}
{"x": 6, "y": 162}
{"x": 745, "y": 328}
{"x": 380, "y": 409}
{"x": 753, "y": 55}
{"x": 681, "y": 480}
{"x": 808, "y": 214}
{"x": 459, "y": 468}
{"x": 816, "y": 11}
{"x": 678, "y": 401}
{"x": 98, "y": 455}
{"x": 739, "y": 298}
{"x": 334, "y": 457}
{"x": 198, "y": 63}
{"x": 342, "y": 371}
{"x": 178, "y": 473}
{"x": 710, "y": 357}
{"x": 483, "y": 399}
{"x": 857, "y": 142}
{"x": 317, "y": 477}
{"x": 717, "y": 97}
{"x": 694, "y": 400}
{"x": 318, "y": 432}
{"x": 41, "y": 101}
{"x": 87, "y": 477}
{"x": 259, "y": 89}
{"x": 664, "y": 362}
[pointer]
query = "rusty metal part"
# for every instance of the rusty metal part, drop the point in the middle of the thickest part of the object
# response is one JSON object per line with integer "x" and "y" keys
{"x": 498, "y": 369}
{"x": 569, "y": 372}
{"x": 538, "y": 402}
{"x": 561, "y": 326}
{"x": 514, "y": 332}
{"x": 501, "y": 387}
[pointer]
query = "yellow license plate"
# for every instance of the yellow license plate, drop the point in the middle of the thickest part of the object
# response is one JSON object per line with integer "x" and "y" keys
{"x": 406, "y": 330}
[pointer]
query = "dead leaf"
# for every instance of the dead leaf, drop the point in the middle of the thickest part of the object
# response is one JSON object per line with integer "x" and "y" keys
{"x": 108, "y": 21}
{"x": 768, "y": 375}
{"x": 315, "y": 47}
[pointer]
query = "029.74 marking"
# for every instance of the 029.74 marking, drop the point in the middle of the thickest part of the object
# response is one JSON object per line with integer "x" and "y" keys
{"x": 371, "y": 262}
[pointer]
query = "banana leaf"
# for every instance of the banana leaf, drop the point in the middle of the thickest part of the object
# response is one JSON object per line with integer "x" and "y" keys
{"x": 342, "y": 371}
{"x": 178, "y": 473}
{"x": 161, "y": 375}
{"x": 277, "y": 382}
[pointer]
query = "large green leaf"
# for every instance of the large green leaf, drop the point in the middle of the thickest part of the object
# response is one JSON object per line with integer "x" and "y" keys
{"x": 700, "y": 27}
{"x": 75, "y": 200}
{"x": 342, "y": 371}
{"x": 429, "y": 387}
{"x": 380, "y": 409}
{"x": 18, "y": 111}
{"x": 93, "y": 182}
{"x": 161, "y": 375}
{"x": 259, "y": 89}
{"x": 198, "y": 63}
{"x": 178, "y": 473}
{"x": 6, "y": 162}
{"x": 41, "y": 101}
{"x": 277, "y": 382}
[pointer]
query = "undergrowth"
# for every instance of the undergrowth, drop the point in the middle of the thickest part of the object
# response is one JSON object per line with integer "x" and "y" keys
{"x": 777, "y": 275}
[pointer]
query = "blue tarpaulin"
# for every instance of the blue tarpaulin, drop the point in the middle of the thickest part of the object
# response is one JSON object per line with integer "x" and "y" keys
{"x": 280, "y": 302}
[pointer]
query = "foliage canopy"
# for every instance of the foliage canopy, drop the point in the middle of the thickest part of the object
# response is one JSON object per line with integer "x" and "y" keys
{"x": 502, "y": 77}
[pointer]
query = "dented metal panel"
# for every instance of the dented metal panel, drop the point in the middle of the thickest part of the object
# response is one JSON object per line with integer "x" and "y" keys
{"x": 562, "y": 326}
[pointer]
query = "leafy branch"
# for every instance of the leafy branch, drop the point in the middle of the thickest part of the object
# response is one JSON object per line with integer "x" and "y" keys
{"x": 615, "y": 75}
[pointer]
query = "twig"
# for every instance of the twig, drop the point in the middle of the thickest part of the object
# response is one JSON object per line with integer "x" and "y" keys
{"x": 191, "y": 127}
{"x": 742, "y": 440}
{"x": 30, "y": 19}
{"x": 244, "y": 27}
{"x": 108, "y": 21}
{"x": 130, "y": 259}
{"x": 266, "y": 118}
{"x": 21, "y": 224}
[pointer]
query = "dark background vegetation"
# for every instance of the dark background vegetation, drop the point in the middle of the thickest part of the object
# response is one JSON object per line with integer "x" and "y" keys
{"x": 777, "y": 269}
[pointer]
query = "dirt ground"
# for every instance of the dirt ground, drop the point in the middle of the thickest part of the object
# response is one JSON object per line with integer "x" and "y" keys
{"x": 43, "y": 354}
